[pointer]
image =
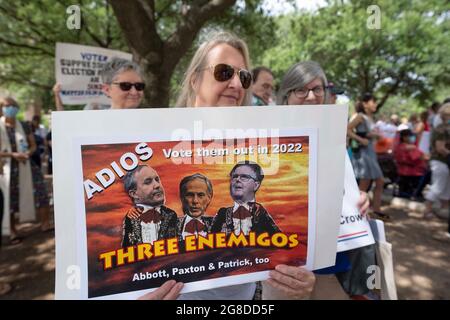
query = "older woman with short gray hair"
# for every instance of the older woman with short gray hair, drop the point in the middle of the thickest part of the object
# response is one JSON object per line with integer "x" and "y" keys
{"x": 123, "y": 83}
{"x": 304, "y": 83}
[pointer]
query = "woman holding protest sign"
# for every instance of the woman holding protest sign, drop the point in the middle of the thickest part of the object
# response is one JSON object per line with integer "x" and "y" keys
{"x": 23, "y": 177}
{"x": 218, "y": 76}
{"x": 305, "y": 83}
{"x": 122, "y": 82}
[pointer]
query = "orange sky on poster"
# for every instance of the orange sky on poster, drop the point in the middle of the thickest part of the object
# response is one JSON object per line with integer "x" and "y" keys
{"x": 283, "y": 193}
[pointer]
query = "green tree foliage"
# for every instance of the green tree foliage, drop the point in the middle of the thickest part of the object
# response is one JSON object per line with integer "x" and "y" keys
{"x": 407, "y": 55}
{"x": 29, "y": 32}
{"x": 161, "y": 35}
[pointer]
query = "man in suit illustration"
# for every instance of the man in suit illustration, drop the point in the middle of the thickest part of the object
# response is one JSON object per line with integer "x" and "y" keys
{"x": 246, "y": 215}
{"x": 196, "y": 192}
{"x": 149, "y": 220}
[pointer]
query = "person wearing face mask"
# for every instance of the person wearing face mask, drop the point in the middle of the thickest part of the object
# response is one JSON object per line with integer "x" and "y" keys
{"x": 305, "y": 83}
{"x": 25, "y": 186}
{"x": 411, "y": 163}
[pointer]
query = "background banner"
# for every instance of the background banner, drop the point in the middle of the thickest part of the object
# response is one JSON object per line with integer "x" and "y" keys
{"x": 77, "y": 69}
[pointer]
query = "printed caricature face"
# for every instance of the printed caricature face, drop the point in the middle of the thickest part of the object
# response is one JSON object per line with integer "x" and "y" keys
{"x": 311, "y": 98}
{"x": 124, "y": 99}
{"x": 212, "y": 93}
{"x": 149, "y": 190}
{"x": 196, "y": 198}
{"x": 263, "y": 86}
{"x": 244, "y": 184}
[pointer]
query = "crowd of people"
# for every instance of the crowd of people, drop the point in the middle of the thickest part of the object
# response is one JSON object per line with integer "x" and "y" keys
{"x": 220, "y": 75}
{"x": 413, "y": 156}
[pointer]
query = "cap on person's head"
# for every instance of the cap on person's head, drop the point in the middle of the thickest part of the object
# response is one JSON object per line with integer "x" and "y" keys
{"x": 335, "y": 89}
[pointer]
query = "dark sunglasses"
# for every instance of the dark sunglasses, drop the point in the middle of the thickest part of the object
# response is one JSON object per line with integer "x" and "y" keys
{"x": 225, "y": 72}
{"x": 126, "y": 86}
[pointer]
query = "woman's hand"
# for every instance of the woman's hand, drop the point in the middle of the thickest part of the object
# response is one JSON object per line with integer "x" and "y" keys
{"x": 363, "y": 203}
{"x": 134, "y": 213}
{"x": 291, "y": 282}
{"x": 364, "y": 142}
{"x": 56, "y": 88}
{"x": 20, "y": 156}
{"x": 170, "y": 290}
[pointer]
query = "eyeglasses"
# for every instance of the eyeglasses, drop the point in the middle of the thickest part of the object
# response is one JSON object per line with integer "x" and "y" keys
{"x": 302, "y": 93}
{"x": 242, "y": 177}
{"x": 224, "y": 72}
{"x": 126, "y": 86}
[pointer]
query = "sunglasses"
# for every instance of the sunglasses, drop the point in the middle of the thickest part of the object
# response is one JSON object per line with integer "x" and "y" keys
{"x": 126, "y": 86}
{"x": 225, "y": 72}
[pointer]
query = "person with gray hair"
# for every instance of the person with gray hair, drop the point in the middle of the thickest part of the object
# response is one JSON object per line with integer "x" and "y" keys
{"x": 123, "y": 83}
{"x": 196, "y": 193}
{"x": 304, "y": 83}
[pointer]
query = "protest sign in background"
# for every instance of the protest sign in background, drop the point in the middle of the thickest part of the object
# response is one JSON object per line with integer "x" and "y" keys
{"x": 78, "y": 68}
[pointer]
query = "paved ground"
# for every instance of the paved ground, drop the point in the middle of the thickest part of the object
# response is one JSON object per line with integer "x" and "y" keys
{"x": 422, "y": 263}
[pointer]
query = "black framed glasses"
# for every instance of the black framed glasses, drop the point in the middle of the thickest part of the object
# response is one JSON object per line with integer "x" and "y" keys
{"x": 242, "y": 177}
{"x": 225, "y": 72}
{"x": 126, "y": 86}
{"x": 302, "y": 93}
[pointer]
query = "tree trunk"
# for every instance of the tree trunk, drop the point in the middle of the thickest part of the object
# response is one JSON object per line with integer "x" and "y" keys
{"x": 157, "y": 91}
{"x": 158, "y": 57}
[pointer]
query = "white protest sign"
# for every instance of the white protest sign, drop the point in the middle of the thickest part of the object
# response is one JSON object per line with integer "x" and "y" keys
{"x": 355, "y": 229}
{"x": 78, "y": 68}
{"x": 101, "y": 130}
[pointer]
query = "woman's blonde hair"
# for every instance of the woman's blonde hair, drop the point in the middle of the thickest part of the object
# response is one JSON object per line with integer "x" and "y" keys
{"x": 199, "y": 61}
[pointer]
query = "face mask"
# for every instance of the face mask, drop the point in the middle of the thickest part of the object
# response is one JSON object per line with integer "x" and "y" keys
{"x": 412, "y": 139}
{"x": 448, "y": 121}
{"x": 10, "y": 111}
